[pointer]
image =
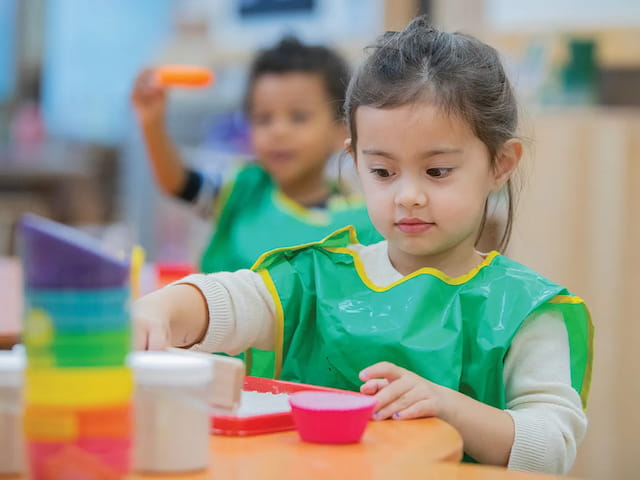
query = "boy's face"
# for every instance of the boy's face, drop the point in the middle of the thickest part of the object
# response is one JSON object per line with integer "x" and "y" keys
{"x": 294, "y": 129}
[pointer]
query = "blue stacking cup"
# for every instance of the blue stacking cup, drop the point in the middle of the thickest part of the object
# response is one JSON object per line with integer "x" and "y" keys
{"x": 79, "y": 311}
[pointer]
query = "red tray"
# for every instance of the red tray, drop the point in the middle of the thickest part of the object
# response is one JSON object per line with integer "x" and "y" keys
{"x": 232, "y": 425}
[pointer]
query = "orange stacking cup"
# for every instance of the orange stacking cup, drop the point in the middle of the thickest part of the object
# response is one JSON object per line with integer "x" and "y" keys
{"x": 56, "y": 424}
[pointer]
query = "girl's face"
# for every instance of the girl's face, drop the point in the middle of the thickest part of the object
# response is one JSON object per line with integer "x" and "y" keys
{"x": 426, "y": 178}
{"x": 294, "y": 129}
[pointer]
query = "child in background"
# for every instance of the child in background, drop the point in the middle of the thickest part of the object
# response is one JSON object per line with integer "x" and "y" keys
{"x": 422, "y": 320}
{"x": 294, "y": 103}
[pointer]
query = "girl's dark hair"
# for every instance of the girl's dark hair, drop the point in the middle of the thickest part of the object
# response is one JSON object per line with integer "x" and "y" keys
{"x": 455, "y": 72}
{"x": 292, "y": 56}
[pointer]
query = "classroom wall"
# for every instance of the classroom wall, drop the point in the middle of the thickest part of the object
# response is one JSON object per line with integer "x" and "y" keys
{"x": 578, "y": 222}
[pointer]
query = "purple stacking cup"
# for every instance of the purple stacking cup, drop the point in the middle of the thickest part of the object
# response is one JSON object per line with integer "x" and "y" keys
{"x": 56, "y": 256}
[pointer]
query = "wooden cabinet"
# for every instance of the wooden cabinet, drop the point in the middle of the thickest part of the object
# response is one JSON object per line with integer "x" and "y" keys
{"x": 72, "y": 184}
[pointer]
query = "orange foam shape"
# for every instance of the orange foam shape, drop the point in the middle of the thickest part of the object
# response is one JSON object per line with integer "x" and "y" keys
{"x": 184, "y": 76}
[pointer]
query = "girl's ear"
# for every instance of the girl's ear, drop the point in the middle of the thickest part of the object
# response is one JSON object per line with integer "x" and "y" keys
{"x": 347, "y": 147}
{"x": 341, "y": 132}
{"x": 506, "y": 162}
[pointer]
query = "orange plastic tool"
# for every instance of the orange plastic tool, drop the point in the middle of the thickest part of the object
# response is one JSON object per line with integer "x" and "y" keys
{"x": 190, "y": 76}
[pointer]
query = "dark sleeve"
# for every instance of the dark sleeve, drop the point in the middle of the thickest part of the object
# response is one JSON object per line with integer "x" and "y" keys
{"x": 191, "y": 187}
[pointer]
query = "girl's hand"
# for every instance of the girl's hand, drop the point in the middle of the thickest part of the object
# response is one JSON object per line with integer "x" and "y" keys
{"x": 174, "y": 316}
{"x": 151, "y": 324}
{"x": 148, "y": 98}
{"x": 401, "y": 394}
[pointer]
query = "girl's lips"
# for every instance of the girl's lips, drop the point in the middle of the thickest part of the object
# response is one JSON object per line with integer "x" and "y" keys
{"x": 411, "y": 225}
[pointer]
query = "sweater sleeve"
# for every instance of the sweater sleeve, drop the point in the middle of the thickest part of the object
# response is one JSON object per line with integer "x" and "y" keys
{"x": 546, "y": 410}
{"x": 241, "y": 311}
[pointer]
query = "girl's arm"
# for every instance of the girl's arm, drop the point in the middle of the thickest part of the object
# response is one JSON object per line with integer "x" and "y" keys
{"x": 487, "y": 432}
{"x": 221, "y": 312}
{"x": 547, "y": 411}
{"x": 544, "y": 420}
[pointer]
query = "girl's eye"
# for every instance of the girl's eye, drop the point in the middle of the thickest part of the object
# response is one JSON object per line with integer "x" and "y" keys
{"x": 380, "y": 172}
{"x": 439, "y": 172}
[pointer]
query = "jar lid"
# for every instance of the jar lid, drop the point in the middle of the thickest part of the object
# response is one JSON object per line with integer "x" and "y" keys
{"x": 12, "y": 363}
{"x": 169, "y": 369}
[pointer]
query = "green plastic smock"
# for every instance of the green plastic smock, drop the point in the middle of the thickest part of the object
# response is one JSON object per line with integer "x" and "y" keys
{"x": 333, "y": 321}
{"x": 254, "y": 216}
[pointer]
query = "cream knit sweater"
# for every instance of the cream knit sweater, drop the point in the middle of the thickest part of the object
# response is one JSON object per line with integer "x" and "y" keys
{"x": 546, "y": 410}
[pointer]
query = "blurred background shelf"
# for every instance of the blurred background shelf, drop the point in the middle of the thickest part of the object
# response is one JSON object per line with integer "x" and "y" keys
{"x": 74, "y": 184}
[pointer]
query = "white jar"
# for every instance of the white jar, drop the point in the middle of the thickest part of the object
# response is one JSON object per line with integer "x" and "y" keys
{"x": 11, "y": 437}
{"x": 171, "y": 412}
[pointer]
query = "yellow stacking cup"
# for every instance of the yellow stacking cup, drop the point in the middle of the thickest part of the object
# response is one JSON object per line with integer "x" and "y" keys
{"x": 78, "y": 387}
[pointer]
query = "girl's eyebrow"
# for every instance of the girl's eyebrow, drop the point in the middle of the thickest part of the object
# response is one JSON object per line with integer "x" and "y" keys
{"x": 427, "y": 154}
{"x": 376, "y": 153}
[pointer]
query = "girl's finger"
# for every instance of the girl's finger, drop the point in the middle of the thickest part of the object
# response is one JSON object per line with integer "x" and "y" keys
{"x": 395, "y": 404}
{"x": 388, "y": 395}
{"x": 385, "y": 370}
{"x": 371, "y": 387}
{"x": 420, "y": 409}
{"x": 140, "y": 336}
{"x": 158, "y": 339}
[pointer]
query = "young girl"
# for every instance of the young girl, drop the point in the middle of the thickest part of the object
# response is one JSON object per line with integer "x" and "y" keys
{"x": 294, "y": 103}
{"x": 422, "y": 320}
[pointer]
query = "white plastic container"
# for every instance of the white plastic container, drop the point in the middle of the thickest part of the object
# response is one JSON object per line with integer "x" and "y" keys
{"x": 11, "y": 437}
{"x": 171, "y": 412}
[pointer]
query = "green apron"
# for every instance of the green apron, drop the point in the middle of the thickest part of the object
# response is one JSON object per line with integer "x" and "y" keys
{"x": 255, "y": 217}
{"x": 332, "y": 321}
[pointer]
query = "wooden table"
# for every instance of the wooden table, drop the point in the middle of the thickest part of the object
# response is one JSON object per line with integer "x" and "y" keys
{"x": 389, "y": 449}
{"x": 426, "y": 449}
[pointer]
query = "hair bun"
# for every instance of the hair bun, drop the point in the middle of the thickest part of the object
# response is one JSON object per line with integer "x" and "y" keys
{"x": 421, "y": 22}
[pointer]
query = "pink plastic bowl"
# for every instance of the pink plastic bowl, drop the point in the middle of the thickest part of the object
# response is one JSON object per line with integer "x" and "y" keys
{"x": 328, "y": 417}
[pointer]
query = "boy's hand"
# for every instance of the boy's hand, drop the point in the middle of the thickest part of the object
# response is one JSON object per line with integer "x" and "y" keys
{"x": 401, "y": 394}
{"x": 149, "y": 99}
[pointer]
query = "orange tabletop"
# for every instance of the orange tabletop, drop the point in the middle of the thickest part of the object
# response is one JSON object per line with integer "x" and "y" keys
{"x": 389, "y": 449}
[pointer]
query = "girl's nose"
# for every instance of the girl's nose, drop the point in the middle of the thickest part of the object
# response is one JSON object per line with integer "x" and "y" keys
{"x": 411, "y": 195}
